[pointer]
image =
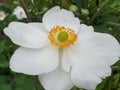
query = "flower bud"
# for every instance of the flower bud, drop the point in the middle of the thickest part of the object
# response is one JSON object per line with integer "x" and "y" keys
{"x": 73, "y": 8}
{"x": 44, "y": 9}
{"x": 85, "y": 12}
{"x": 16, "y": 3}
{"x": 110, "y": 28}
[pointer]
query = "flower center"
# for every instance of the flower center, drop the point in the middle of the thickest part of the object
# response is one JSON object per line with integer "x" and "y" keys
{"x": 21, "y": 13}
{"x": 1, "y": 15}
{"x": 62, "y": 37}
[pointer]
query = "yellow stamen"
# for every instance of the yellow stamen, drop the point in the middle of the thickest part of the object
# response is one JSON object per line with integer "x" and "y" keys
{"x": 62, "y": 37}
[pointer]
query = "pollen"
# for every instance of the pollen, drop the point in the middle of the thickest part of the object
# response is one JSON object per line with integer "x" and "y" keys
{"x": 62, "y": 37}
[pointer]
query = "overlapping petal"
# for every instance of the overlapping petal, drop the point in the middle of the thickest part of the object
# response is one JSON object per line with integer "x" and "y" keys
{"x": 84, "y": 79}
{"x": 56, "y": 80}
{"x": 61, "y": 17}
{"x": 35, "y": 61}
{"x": 85, "y": 29}
{"x": 26, "y": 35}
{"x": 39, "y": 26}
{"x": 91, "y": 57}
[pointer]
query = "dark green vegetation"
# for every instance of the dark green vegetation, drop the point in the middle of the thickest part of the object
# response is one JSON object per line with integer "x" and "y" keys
{"x": 104, "y": 15}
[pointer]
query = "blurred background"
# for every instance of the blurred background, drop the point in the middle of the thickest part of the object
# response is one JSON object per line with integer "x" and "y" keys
{"x": 103, "y": 15}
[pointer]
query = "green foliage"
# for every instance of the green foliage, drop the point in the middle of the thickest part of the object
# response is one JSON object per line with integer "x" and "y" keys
{"x": 104, "y": 15}
{"x": 5, "y": 86}
{"x": 24, "y": 83}
{"x": 79, "y": 3}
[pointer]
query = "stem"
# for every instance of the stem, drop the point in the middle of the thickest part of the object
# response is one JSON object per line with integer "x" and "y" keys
{"x": 63, "y": 3}
{"x": 32, "y": 1}
{"x": 85, "y": 3}
{"x": 26, "y": 11}
{"x": 116, "y": 68}
{"x": 99, "y": 11}
{"x": 36, "y": 82}
{"x": 53, "y": 2}
{"x": 112, "y": 24}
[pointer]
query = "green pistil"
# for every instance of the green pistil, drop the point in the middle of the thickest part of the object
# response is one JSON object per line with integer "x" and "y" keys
{"x": 62, "y": 36}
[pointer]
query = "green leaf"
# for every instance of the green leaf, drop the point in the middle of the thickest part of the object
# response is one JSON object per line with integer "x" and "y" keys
{"x": 5, "y": 86}
{"x": 79, "y": 3}
{"x": 3, "y": 79}
{"x": 24, "y": 82}
{"x": 102, "y": 85}
{"x": 2, "y": 45}
{"x": 101, "y": 28}
{"x": 3, "y": 61}
{"x": 110, "y": 18}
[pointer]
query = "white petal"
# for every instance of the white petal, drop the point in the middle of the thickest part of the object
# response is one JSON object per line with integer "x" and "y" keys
{"x": 56, "y": 80}
{"x": 47, "y": 16}
{"x": 66, "y": 63}
{"x": 61, "y": 17}
{"x": 91, "y": 57}
{"x": 85, "y": 29}
{"x": 39, "y": 26}
{"x": 98, "y": 40}
{"x": 84, "y": 79}
{"x": 35, "y": 61}
{"x": 26, "y": 35}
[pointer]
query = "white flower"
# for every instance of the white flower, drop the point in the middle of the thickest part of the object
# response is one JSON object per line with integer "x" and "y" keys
{"x": 2, "y": 15}
{"x": 62, "y": 51}
{"x": 19, "y": 13}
